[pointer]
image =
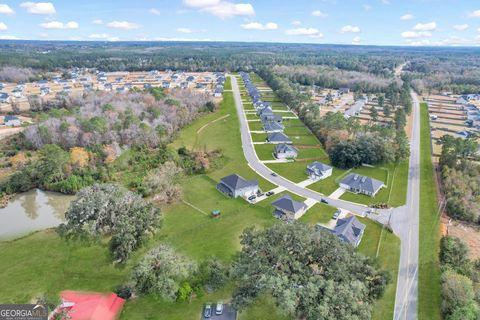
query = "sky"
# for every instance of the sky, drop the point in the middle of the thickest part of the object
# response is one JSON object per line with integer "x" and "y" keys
{"x": 365, "y": 22}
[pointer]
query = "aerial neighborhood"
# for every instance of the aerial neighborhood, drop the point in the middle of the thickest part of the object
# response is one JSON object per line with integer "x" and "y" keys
{"x": 218, "y": 160}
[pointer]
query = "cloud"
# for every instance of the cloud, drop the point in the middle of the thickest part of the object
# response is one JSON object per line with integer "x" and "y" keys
{"x": 221, "y": 9}
{"x": 3, "y": 26}
{"x": 200, "y": 3}
{"x": 407, "y": 16}
{"x": 9, "y": 37}
{"x": 318, "y": 13}
{"x": 475, "y": 14}
{"x": 5, "y": 9}
{"x": 59, "y": 25}
{"x": 259, "y": 26}
{"x": 349, "y": 28}
{"x": 124, "y": 25}
{"x": 308, "y": 32}
{"x": 296, "y": 22}
{"x": 356, "y": 40}
{"x": 385, "y": 1}
{"x": 460, "y": 27}
{"x": 188, "y": 30}
{"x": 451, "y": 41}
{"x": 430, "y": 26}
{"x": 154, "y": 11}
{"x": 367, "y": 7}
{"x": 102, "y": 36}
{"x": 416, "y": 34}
{"x": 97, "y": 21}
{"x": 38, "y": 7}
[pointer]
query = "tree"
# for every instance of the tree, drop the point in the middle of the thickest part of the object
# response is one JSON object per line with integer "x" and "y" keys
{"x": 374, "y": 114}
{"x": 453, "y": 252}
{"x": 381, "y": 100}
{"x": 111, "y": 210}
{"x": 345, "y": 155}
{"x": 308, "y": 272}
{"x": 162, "y": 272}
{"x": 457, "y": 291}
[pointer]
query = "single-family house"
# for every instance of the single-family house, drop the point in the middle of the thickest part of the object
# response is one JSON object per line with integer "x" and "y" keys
{"x": 356, "y": 108}
{"x": 318, "y": 171}
{"x": 349, "y": 230}
{"x": 3, "y": 97}
{"x": 288, "y": 209}
{"x": 278, "y": 137}
{"x": 218, "y": 92}
{"x": 343, "y": 90}
{"x": 236, "y": 186}
{"x": 10, "y": 120}
{"x": 361, "y": 184}
{"x": 285, "y": 151}
{"x": 273, "y": 126}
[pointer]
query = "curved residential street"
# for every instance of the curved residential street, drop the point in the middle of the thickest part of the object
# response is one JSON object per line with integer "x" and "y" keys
{"x": 403, "y": 220}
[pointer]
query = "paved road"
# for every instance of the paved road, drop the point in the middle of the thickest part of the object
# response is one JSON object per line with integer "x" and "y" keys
{"x": 266, "y": 173}
{"x": 405, "y": 224}
{"x": 403, "y": 220}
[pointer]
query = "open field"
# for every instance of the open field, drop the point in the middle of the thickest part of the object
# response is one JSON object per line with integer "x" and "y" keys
{"x": 429, "y": 287}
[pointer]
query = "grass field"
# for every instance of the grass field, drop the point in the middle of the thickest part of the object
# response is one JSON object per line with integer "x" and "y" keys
{"x": 264, "y": 151}
{"x": 319, "y": 213}
{"x": 429, "y": 300}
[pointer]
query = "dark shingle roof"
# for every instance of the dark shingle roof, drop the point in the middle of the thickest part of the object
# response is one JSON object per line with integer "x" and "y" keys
{"x": 318, "y": 167}
{"x": 284, "y": 148}
{"x": 234, "y": 182}
{"x": 349, "y": 229}
{"x": 278, "y": 137}
{"x": 357, "y": 181}
{"x": 288, "y": 204}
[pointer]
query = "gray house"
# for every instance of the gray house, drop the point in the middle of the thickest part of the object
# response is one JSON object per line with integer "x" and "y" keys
{"x": 318, "y": 171}
{"x": 348, "y": 229}
{"x": 9, "y": 120}
{"x": 278, "y": 137}
{"x": 288, "y": 209}
{"x": 273, "y": 126}
{"x": 235, "y": 186}
{"x": 361, "y": 184}
{"x": 285, "y": 151}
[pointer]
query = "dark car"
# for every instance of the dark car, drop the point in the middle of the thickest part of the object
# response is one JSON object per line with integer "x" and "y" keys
{"x": 336, "y": 214}
{"x": 252, "y": 197}
{"x": 269, "y": 193}
{"x": 208, "y": 311}
{"x": 273, "y": 174}
{"x": 324, "y": 201}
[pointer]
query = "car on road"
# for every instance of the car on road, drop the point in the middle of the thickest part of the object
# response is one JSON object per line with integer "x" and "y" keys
{"x": 337, "y": 214}
{"x": 252, "y": 197}
{"x": 324, "y": 201}
{"x": 208, "y": 311}
{"x": 269, "y": 193}
{"x": 219, "y": 308}
{"x": 274, "y": 174}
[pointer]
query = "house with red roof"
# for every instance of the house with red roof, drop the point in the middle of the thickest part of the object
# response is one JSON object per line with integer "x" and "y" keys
{"x": 89, "y": 305}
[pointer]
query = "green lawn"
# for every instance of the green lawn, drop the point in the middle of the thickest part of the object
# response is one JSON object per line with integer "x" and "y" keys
{"x": 252, "y": 116}
{"x": 293, "y": 171}
{"x": 297, "y": 130}
{"x": 388, "y": 247}
{"x": 255, "y": 126}
{"x": 228, "y": 84}
{"x": 309, "y": 139}
{"x": 330, "y": 184}
{"x": 310, "y": 153}
{"x": 264, "y": 151}
{"x": 259, "y": 137}
{"x": 395, "y": 180}
{"x": 293, "y": 122}
{"x": 429, "y": 300}
{"x": 319, "y": 213}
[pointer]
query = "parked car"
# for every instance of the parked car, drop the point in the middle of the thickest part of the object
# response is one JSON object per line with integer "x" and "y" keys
{"x": 269, "y": 193}
{"x": 219, "y": 308}
{"x": 324, "y": 201}
{"x": 337, "y": 214}
{"x": 252, "y": 197}
{"x": 274, "y": 174}
{"x": 208, "y": 311}
{"x": 260, "y": 194}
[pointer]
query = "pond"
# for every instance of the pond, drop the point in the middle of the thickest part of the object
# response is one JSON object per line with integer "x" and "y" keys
{"x": 31, "y": 211}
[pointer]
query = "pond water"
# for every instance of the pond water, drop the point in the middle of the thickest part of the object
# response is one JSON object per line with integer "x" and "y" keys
{"x": 31, "y": 211}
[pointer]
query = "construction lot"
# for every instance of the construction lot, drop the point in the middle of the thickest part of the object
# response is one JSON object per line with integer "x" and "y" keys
{"x": 447, "y": 118}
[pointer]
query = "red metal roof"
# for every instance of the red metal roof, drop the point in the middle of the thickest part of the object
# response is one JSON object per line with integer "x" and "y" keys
{"x": 91, "y": 305}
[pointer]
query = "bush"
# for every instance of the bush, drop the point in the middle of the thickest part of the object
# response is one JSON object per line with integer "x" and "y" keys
{"x": 453, "y": 252}
{"x": 123, "y": 291}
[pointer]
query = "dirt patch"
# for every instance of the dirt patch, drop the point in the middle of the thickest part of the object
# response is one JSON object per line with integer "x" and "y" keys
{"x": 469, "y": 233}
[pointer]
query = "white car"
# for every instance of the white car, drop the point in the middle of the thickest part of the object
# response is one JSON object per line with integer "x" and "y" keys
{"x": 219, "y": 308}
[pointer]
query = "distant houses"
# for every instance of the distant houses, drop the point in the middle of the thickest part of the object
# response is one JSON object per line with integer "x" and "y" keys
{"x": 356, "y": 108}
{"x": 3, "y": 97}
{"x": 318, "y": 171}
{"x": 236, "y": 186}
{"x": 10, "y": 120}
{"x": 349, "y": 230}
{"x": 285, "y": 151}
{"x": 288, "y": 209}
{"x": 361, "y": 184}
